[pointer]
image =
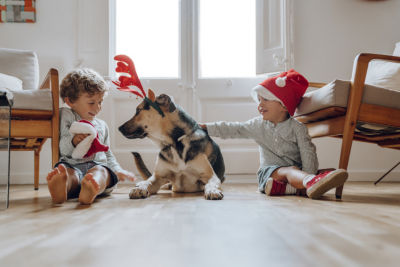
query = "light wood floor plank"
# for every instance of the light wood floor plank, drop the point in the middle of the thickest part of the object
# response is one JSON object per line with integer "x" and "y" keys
{"x": 246, "y": 228}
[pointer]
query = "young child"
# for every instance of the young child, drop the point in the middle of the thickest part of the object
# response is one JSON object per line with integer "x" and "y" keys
{"x": 83, "y": 91}
{"x": 287, "y": 156}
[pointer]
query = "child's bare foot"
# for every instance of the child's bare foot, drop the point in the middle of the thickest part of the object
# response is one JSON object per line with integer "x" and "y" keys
{"x": 89, "y": 189}
{"x": 57, "y": 184}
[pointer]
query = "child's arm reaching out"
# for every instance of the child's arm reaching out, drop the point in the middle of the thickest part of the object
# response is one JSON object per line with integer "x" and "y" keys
{"x": 248, "y": 129}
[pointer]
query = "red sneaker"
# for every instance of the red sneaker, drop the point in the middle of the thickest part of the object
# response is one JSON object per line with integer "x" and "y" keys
{"x": 277, "y": 188}
{"x": 325, "y": 181}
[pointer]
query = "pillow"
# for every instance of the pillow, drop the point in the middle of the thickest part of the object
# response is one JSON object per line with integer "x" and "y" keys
{"x": 10, "y": 82}
{"x": 22, "y": 64}
{"x": 396, "y": 51}
{"x": 384, "y": 74}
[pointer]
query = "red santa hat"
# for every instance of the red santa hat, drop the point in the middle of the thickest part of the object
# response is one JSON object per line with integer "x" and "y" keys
{"x": 287, "y": 88}
{"x": 91, "y": 144}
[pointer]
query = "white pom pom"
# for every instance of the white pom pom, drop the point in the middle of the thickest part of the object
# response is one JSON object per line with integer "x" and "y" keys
{"x": 281, "y": 82}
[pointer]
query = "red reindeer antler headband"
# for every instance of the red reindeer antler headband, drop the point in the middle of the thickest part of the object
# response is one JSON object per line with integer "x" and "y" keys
{"x": 125, "y": 65}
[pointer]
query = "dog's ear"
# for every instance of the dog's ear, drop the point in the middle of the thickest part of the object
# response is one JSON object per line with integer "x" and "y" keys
{"x": 151, "y": 94}
{"x": 165, "y": 103}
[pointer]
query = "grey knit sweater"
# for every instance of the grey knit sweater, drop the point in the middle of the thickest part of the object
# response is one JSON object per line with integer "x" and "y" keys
{"x": 284, "y": 144}
{"x": 67, "y": 117}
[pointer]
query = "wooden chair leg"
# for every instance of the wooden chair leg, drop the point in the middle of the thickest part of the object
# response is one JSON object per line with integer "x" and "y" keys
{"x": 347, "y": 141}
{"x": 36, "y": 168}
{"x": 54, "y": 150}
{"x": 338, "y": 192}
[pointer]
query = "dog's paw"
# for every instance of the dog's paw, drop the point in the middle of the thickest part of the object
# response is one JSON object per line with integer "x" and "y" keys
{"x": 138, "y": 192}
{"x": 214, "y": 194}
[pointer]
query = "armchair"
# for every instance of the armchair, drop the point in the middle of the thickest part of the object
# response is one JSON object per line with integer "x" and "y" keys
{"x": 35, "y": 114}
{"x": 360, "y": 113}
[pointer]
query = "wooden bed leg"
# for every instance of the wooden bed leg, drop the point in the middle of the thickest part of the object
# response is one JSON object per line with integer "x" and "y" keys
{"x": 36, "y": 168}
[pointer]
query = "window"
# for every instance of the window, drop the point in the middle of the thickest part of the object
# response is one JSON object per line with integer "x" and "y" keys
{"x": 201, "y": 39}
{"x": 227, "y": 40}
{"x": 148, "y": 32}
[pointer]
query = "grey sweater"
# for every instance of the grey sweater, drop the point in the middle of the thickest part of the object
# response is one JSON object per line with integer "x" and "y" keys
{"x": 67, "y": 117}
{"x": 284, "y": 144}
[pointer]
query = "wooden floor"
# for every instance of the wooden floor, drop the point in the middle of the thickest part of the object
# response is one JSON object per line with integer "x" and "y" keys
{"x": 246, "y": 228}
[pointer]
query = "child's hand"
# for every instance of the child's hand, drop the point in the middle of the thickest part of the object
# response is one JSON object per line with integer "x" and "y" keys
{"x": 125, "y": 175}
{"x": 78, "y": 138}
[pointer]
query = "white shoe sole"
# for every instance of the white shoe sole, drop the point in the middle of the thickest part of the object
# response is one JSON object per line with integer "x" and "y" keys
{"x": 268, "y": 186}
{"x": 334, "y": 179}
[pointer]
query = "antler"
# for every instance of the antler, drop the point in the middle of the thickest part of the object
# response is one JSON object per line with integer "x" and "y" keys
{"x": 125, "y": 65}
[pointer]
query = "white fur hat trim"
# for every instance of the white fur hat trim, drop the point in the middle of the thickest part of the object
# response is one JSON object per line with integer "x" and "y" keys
{"x": 83, "y": 147}
{"x": 260, "y": 90}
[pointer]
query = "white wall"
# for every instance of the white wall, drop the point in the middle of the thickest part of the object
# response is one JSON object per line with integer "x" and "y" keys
{"x": 328, "y": 34}
{"x": 59, "y": 44}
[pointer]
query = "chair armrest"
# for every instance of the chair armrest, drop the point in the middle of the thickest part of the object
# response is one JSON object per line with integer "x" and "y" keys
{"x": 47, "y": 80}
{"x": 51, "y": 81}
{"x": 316, "y": 85}
{"x": 360, "y": 69}
{"x": 361, "y": 64}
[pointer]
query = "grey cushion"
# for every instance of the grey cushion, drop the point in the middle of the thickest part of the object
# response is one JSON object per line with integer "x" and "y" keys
{"x": 21, "y": 64}
{"x": 33, "y": 99}
{"x": 336, "y": 93}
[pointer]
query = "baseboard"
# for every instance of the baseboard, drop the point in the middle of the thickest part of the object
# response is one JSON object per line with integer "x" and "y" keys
{"x": 359, "y": 176}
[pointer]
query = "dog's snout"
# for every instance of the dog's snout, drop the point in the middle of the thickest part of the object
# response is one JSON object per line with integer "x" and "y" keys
{"x": 132, "y": 131}
{"x": 121, "y": 128}
{"x": 125, "y": 129}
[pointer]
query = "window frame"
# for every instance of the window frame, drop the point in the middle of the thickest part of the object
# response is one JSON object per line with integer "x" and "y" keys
{"x": 270, "y": 60}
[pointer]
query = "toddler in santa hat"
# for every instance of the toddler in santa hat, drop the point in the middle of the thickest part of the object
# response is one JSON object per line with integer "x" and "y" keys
{"x": 288, "y": 160}
{"x": 87, "y": 167}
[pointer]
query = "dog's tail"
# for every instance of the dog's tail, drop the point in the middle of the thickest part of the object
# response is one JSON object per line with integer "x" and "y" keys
{"x": 143, "y": 171}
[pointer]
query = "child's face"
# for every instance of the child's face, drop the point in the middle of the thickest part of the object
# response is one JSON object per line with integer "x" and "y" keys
{"x": 87, "y": 106}
{"x": 271, "y": 110}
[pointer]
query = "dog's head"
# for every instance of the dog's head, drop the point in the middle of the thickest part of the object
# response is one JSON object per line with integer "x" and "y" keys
{"x": 147, "y": 119}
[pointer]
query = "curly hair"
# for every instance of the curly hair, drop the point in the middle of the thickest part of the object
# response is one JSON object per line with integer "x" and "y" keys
{"x": 80, "y": 81}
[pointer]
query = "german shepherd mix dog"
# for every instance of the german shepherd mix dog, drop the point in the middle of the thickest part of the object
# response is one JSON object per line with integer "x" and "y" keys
{"x": 189, "y": 159}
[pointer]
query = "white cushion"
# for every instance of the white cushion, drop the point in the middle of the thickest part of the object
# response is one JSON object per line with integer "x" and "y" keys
{"x": 396, "y": 51}
{"x": 21, "y": 64}
{"x": 384, "y": 74}
{"x": 33, "y": 99}
{"x": 10, "y": 82}
{"x": 336, "y": 93}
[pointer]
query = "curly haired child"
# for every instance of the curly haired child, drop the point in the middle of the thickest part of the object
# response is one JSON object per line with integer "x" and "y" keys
{"x": 83, "y": 91}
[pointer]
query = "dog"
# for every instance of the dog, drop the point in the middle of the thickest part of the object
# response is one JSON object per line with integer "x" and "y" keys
{"x": 188, "y": 159}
